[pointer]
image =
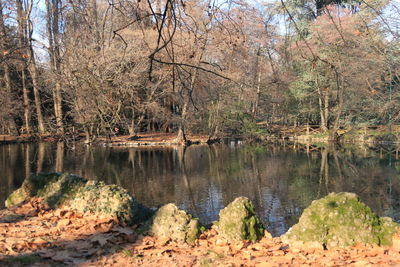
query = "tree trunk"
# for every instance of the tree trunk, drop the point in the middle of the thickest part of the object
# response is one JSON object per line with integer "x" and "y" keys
{"x": 27, "y": 112}
{"x": 8, "y": 90}
{"x": 35, "y": 84}
{"x": 22, "y": 44}
{"x": 33, "y": 71}
{"x": 54, "y": 53}
{"x": 94, "y": 23}
{"x": 333, "y": 135}
{"x": 181, "y": 131}
{"x": 323, "y": 106}
{"x": 258, "y": 93}
{"x": 321, "y": 112}
{"x": 326, "y": 109}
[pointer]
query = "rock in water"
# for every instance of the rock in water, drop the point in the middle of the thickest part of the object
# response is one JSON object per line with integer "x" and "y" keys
{"x": 339, "y": 220}
{"x": 169, "y": 222}
{"x": 76, "y": 193}
{"x": 238, "y": 222}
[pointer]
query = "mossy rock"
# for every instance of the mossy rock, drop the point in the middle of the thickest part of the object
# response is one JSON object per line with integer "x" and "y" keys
{"x": 340, "y": 220}
{"x": 175, "y": 224}
{"x": 238, "y": 222}
{"x": 97, "y": 197}
{"x": 55, "y": 188}
{"x": 76, "y": 193}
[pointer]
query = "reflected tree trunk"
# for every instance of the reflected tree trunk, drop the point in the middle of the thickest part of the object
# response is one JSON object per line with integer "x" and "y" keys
{"x": 40, "y": 157}
{"x": 181, "y": 151}
{"x": 27, "y": 160}
{"x": 339, "y": 169}
{"x": 324, "y": 170}
{"x": 59, "y": 167}
{"x": 257, "y": 185}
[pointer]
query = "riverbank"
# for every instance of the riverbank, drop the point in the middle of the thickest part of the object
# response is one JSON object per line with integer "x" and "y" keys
{"x": 306, "y": 134}
{"x": 150, "y": 139}
{"x": 26, "y": 138}
{"x": 374, "y": 135}
{"x": 143, "y": 139}
{"x": 32, "y": 235}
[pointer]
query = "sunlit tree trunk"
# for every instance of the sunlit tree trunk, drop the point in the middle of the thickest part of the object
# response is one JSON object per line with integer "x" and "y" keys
{"x": 54, "y": 52}
{"x": 22, "y": 45}
{"x": 323, "y": 102}
{"x": 35, "y": 84}
{"x": 258, "y": 83}
{"x": 25, "y": 32}
{"x": 333, "y": 132}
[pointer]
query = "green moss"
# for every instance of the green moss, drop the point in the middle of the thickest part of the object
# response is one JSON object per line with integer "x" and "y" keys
{"x": 21, "y": 260}
{"x": 193, "y": 231}
{"x": 78, "y": 194}
{"x": 55, "y": 188}
{"x": 238, "y": 222}
{"x": 15, "y": 198}
{"x": 340, "y": 220}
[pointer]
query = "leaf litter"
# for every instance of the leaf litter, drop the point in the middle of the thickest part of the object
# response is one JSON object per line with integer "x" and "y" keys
{"x": 33, "y": 235}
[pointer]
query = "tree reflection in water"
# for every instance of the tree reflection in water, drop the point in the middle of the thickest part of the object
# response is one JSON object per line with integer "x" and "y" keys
{"x": 203, "y": 179}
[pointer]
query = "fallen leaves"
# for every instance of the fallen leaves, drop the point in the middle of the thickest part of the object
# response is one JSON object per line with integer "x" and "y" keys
{"x": 63, "y": 236}
{"x": 62, "y": 223}
{"x": 60, "y": 235}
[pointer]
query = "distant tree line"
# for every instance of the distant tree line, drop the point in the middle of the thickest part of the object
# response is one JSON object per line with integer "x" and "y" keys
{"x": 217, "y": 68}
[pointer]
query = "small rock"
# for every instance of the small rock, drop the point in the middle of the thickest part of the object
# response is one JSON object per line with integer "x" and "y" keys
{"x": 238, "y": 222}
{"x": 174, "y": 224}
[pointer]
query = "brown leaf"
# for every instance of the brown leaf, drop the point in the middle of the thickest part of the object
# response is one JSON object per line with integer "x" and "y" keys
{"x": 62, "y": 223}
{"x": 47, "y": 253}
{"x": 63, "y": 255}
{"x": 104, "y": 227}
{"x": 122, "y": 230}
{"x": 100, "y": 239}
{"x": 79, "y": 245}
{"x": 221, "y": 242}
{"x": 60, "y": 212}
{"x": 38, "y": 242}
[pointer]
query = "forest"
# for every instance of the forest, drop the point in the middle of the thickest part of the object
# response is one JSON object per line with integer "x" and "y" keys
{"x": 217, "y": 68}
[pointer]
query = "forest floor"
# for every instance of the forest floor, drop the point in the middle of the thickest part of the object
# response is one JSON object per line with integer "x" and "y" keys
{"x": 32, "y": 235}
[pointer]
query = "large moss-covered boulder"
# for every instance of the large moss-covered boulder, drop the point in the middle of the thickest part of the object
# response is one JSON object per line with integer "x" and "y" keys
{"x": 97, "y": 197}
{"x": 169, "y": 222}
{"x": 238, "y": 222}
{"x": 76, "y": 193}
{"x": 55, "y": 188}
{"x": 339, "y": 220}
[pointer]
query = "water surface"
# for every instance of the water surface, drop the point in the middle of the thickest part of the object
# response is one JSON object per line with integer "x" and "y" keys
{"x": 280, "y": 181}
